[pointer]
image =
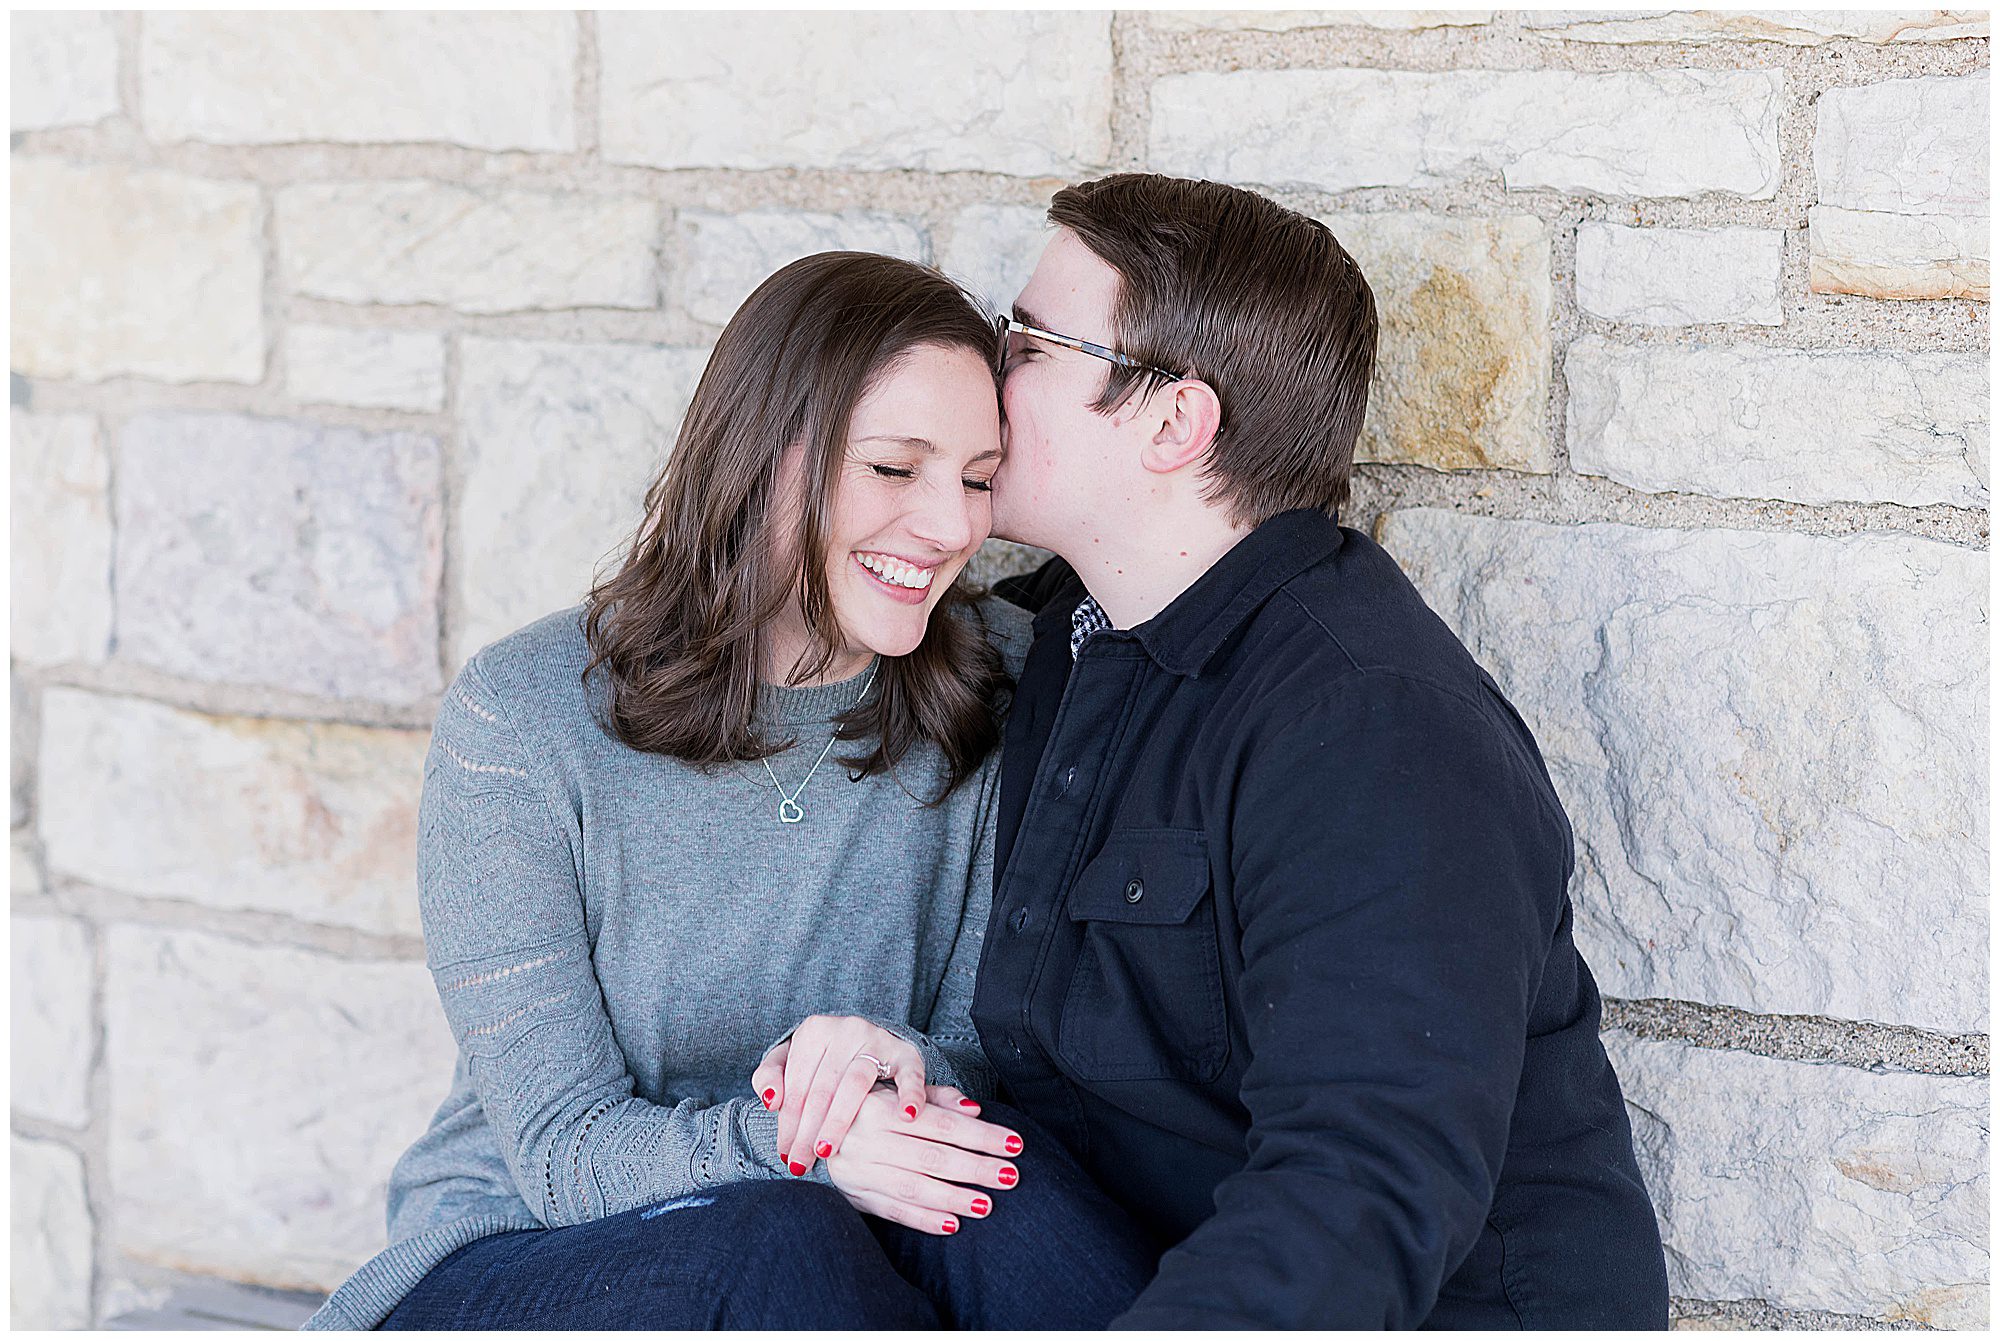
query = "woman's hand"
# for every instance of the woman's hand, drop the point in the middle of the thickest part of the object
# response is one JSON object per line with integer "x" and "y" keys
{"x": 817, "y": 1078}
{"x": 923, "y": 1174}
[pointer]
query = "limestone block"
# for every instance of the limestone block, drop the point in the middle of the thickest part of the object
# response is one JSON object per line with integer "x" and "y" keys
{"x": 53, "y": 1029}
{"x": 51, "y": 1255}
{"x": 1794, "y": 27}
{"x": 1657, "y": 133}
{"x": 1813, "y": 1187}
{"x": 60, "y": 583}
{"x": 298, "y": 1077}
{"x": 1772, "y": 748}
{"x": 476, "y": 250}
{"x": 1882, "y": 255}
{"x": 109, "y": 261}
{"x": 62, "y": 67}
{"x": 390, "y": 370}
{"x": 315, "y": 820}
{"x": 1906, "y": 146}
{"x": 558, "y": 445}
{"x": 279, "y": 552}
{"x": 1680, "y": 276}
{"x": 728, "y": 255}
{"x": 1021, "y": 93}
{"x": 1814, "y": 427}
{"x": 486, "y": 81}
{"x": 26, "y": 874}
{"x": 994, "y": 248}
{"x": 1286, "y": 20}
{"x": 1462, "y": 357}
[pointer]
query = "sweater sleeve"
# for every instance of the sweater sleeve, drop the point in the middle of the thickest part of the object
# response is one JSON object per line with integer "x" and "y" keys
{"x": 506, "y": 942}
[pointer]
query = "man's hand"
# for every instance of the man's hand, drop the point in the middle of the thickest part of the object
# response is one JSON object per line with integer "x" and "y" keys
{"x": 923, "y": 1174}
{"x": 818, "y": 1077}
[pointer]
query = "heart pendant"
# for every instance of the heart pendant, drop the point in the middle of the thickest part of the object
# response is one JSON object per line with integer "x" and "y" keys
{"x": 790, "y": 812}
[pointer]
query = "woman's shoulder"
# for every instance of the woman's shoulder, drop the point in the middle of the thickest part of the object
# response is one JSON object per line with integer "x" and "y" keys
{"x": 1007, "y": 627}
{"x": 534, "y": 673}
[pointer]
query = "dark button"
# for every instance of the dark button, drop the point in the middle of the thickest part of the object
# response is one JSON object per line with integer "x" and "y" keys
{"x": 1019, "y": 920}
{"x": 1135, "y": 891}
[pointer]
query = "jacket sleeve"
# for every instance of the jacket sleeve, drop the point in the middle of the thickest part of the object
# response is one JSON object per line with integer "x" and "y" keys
{"x": 1398, "y": 873}
{"x": 506, "y": 943}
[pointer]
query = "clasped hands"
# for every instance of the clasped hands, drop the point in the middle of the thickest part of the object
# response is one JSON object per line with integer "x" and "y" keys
{"x": 895, "y": 1148}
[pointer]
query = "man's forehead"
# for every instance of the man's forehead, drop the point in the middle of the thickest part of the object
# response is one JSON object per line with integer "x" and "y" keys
{"x": 1072, "y": 284}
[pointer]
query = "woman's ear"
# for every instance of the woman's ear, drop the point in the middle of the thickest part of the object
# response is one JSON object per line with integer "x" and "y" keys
{"x": 1186, "y": 417}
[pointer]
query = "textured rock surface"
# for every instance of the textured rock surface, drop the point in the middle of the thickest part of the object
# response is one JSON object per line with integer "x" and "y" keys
{"x": 1772, "y": 748}
{"x": 1905, "y": 146}
{"x": 62, "y": 68}
{"x": 484, "y": 250}
{"x": 487, "y": 81}
{"x": 1813, "y": 427}
{"x": 109, "y": 261}
{"x": 1882, "y": 255}
{"x": 54, "y": 1035}
{"x": 725, "y": 256}
{"x": 217, "y": 1045}
{"x": 1819, "y": 1187}
{"x": 1284, "y": 20}
{"x": 315, "y": 820}
{"x": 277, "y": 552}
{"x": 1021, "y": 93}
{"x": 1794, "y": 27}
{"x": 51, "y": 1249}
{"x": 391, "y": 370}
{"x": 558, "y": 445}
{"x": 993, "y": 249}
{"x": 1462, "y": 359}
{"x": 60, "y": 581}
{"x": 1659, "y": 133}
{"x": 1679, "y": 276}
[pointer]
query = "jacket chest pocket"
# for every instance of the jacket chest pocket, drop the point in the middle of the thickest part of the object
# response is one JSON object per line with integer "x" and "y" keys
{"x": 1145, "y": 997}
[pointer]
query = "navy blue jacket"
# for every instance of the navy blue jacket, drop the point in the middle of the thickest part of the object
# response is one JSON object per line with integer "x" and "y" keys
{"x": 1280, "y": 949}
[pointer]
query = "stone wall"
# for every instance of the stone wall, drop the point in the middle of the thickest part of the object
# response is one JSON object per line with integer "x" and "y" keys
{"x": 346, "y": 343}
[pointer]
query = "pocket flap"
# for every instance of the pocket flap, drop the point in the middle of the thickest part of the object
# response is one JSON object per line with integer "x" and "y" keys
{"x": 1153, "y": 876}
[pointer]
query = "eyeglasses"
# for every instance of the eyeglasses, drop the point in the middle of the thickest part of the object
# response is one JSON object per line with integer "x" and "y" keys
{"x": 1005, "y": 328}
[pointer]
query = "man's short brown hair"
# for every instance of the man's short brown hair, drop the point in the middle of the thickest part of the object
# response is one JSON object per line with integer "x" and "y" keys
{"x": 1262, "y": 303}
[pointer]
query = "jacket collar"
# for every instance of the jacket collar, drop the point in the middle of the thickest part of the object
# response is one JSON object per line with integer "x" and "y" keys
{"x": 1185, "y": 636}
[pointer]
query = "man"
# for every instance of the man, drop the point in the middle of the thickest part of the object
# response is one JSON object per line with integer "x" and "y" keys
{"x": 1280, "y": 948}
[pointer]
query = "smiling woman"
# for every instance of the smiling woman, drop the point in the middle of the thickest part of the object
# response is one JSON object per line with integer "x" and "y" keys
{"x": 634, "y": 875}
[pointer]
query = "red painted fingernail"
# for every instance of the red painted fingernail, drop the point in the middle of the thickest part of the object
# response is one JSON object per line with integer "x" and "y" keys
{"x": 770, "y": 1098}
{"x": 1008, "y": 1177}
{"x": 950, "y": 1225}
{"x": 823, "y": 1149}
{"x": 796, "y": 1169}
{"x": 967, "y": 1103}
{"x": 910, "y": 1112}
{"x": 981, "y": 1206}
{"x": 1013, "y": 1145}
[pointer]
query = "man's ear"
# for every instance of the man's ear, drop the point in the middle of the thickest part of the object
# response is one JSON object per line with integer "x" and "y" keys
{"x": 1185, "y": 416}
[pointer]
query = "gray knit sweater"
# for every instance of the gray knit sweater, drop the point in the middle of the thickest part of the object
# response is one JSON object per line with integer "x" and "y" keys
{"x": 617, "y": 937}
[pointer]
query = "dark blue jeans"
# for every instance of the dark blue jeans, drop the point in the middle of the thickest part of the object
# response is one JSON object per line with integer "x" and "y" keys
{"x": 780, "y": 1255}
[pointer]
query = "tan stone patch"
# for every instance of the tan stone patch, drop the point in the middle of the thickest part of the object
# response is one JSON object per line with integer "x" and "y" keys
{"x": 1462, "y": 362}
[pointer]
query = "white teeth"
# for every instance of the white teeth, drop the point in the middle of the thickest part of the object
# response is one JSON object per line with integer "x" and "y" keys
{"x": 896, "y": 571}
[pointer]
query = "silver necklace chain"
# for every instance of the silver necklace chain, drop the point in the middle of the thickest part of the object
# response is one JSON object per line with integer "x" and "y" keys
{"x": 789, "y": 810}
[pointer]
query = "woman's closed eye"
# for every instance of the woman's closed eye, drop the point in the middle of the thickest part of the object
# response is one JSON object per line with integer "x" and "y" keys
{"x": 899, "y": 473}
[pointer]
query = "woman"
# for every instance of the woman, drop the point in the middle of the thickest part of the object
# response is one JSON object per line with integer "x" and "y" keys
{"x": 635, "y": 872}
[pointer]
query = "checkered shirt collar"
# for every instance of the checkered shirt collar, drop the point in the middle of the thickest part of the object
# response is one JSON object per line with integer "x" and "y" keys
{"x": 1088, "y": 619}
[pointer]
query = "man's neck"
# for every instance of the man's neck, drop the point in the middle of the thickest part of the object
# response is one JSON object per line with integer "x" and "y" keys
{"x": 1137, "y": 574}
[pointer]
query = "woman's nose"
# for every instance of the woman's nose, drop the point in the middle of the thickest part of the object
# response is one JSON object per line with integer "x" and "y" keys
{"x": 945, "y": 519}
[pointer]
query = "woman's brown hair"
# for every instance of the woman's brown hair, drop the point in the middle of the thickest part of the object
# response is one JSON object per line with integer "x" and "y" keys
{"x": 677, "y": 629}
